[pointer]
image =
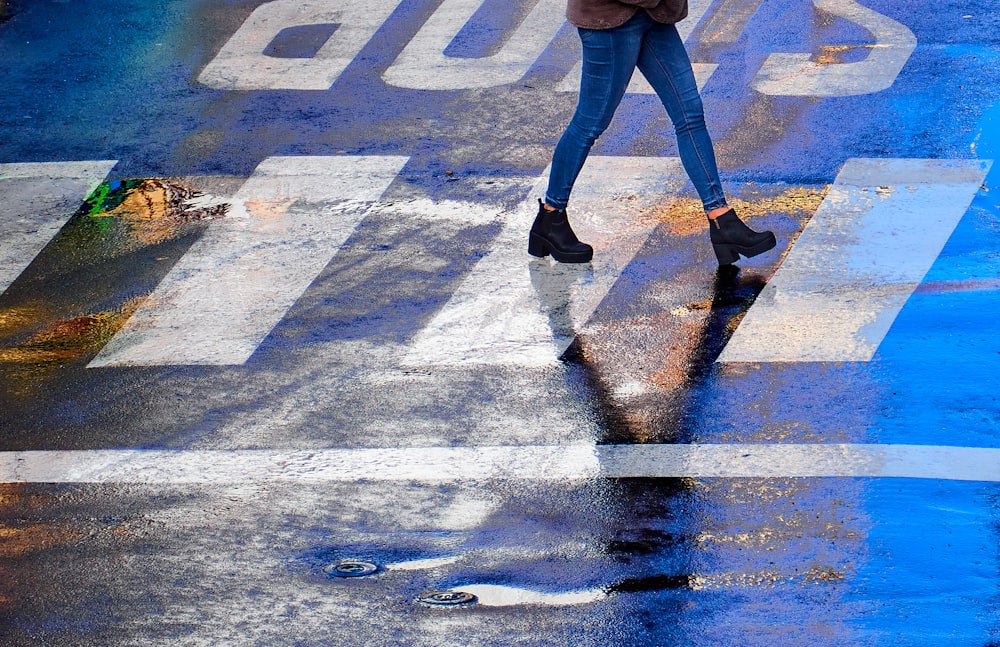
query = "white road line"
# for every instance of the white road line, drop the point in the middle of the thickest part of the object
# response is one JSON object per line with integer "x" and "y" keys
{"x": 36, "y": 200}
{"x": 448, "y": 464}
{"x": 237, "y": 282}
{"x": 512, "y": 311}
{"x": 874, "y": 237}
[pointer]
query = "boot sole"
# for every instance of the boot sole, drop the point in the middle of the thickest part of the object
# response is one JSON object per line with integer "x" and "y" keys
{"x": 538, "y": 246}
{"x": 729, "y": 254}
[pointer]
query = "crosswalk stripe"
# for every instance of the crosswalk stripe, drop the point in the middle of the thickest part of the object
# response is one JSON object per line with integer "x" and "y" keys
{"x": 237, "y": 282}
{"x": 512, "y": 311}
{"x": 36, "y": 200}
{"x": 861, "y": 256}
{"x": 448, "y": 464}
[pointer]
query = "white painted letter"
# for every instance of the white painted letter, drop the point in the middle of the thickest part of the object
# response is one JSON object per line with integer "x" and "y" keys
{"x": 797, "y": 75}
{"x": 242, "y": 64}
{"x": 424, "y": 66}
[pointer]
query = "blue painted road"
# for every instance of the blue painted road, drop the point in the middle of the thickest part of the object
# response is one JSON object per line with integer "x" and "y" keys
{"x": 266, "y": 308}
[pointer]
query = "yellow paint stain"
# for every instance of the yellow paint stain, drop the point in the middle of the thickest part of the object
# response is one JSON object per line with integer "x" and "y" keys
{"x": 267, "y": 209}
{"x": 15, "y": 319}
{"x": 70, "y": 338}
{"x": 686, "y": 217}
{"x": 28, "y": 539}
{"x": 840, "y": 54}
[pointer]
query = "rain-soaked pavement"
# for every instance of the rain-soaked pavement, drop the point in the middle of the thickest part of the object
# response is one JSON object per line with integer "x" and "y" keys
{"x": 275, "y": 368}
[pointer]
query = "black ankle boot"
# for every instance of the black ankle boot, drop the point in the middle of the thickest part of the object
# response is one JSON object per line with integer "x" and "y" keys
{"x": 551, "y": 234}
{"x": 731, "y": 237}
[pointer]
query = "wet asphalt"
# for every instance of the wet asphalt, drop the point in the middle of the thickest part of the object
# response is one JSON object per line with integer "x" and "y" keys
{"x": 861, "y": 559}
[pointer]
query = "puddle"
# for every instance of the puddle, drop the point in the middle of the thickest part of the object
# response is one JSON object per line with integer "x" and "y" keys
{"x": 493, "y": 595}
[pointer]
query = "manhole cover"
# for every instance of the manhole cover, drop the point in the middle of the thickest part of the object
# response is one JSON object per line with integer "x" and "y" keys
{"x": 447, "y": 599}
{"x": 350, "y": 568}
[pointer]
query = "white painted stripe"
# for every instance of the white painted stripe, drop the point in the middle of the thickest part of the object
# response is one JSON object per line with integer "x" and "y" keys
{"x": 36, "y": 200}
{"x": 874, "y": 237}
{"x": 513, "y": 311}
{"x": 237, "y": 282}
{"x": 447, "y": 464}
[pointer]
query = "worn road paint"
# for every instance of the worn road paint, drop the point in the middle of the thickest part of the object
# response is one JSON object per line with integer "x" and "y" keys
{"x": 424, "y": 65}
{"x": 422, "y": 564}
{"x": 558, "y": 462}
{"x": 799, "y": 75}
{"x": 231, "y": 288}
{"x": 243, "y": 65}
{"x": 36, "y": 200}
{"x": 874, "y": 237}
{"x": 511, "y": 310}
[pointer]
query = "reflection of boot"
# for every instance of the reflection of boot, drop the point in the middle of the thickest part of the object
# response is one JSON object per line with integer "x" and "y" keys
{"x": 731, "y": 237}
{"x": 554, "y": 284}
{"x": 551, "y": 234}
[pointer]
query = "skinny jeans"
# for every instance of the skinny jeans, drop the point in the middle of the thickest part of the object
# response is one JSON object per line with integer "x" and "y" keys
{"x": 609, "y": 58}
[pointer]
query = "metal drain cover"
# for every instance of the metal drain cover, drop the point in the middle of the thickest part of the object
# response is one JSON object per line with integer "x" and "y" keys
{"x": 447, "y": 599}
{"x": 350, "y": 568}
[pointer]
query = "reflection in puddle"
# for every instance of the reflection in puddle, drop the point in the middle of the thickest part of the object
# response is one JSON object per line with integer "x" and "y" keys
{"x": 493, "y": 595}
{"x": 153, "y": 210}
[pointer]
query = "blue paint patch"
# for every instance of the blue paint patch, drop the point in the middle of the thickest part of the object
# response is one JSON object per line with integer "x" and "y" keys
{"x": 939, "y": 359}
{"x": 928, "y": 576}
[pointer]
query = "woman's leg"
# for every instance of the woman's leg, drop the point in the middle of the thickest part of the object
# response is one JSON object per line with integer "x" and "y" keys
{"x": 665, "y": 64}
{"x": 609, "y": 58}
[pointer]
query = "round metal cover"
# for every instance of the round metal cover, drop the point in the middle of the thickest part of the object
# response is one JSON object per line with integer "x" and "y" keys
{"x": 447, "y": 599}
{"x": 350, "y": 568}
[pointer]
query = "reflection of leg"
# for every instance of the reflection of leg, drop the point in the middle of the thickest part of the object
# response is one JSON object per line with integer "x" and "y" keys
{"x": 553, "y": 285}
{"x": 732, "y": 296}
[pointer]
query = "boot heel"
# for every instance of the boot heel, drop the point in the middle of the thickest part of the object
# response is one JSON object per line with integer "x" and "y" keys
{"x": 537, "y": 246}
{"x": 726, "y": 254}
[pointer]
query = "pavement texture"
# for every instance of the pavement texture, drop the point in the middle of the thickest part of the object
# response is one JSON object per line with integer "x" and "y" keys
{"x": 276, "y": 369}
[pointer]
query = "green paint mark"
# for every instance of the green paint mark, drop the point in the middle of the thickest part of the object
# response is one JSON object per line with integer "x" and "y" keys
{"x": 108, "y": 195}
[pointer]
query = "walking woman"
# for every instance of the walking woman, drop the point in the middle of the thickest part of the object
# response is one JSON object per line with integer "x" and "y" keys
{"x": 619, "y": 36}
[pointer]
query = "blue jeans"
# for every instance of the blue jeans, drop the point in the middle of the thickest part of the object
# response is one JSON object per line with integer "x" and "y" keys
{"x": 609, "y": 58}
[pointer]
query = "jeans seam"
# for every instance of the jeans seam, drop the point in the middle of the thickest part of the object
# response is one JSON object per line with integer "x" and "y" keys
{"x": 714, "y": 188}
